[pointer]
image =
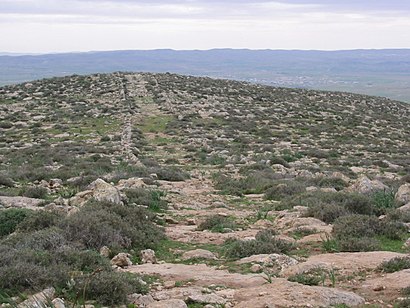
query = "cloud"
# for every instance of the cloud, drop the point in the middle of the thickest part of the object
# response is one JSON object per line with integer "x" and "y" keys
{"x": 61, "y": 25}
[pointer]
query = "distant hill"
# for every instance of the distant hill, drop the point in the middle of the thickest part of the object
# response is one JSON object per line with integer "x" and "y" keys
{"x": 375, "y": 72}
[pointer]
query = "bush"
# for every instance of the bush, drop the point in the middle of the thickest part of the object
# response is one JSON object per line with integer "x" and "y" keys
{"x": 283, "y": 190}
{"x": 354, "y": 226}
{"x": 383, "y": 201}
{"x": 264, "y": 243}
{"x": 6, "y": 181}
{"x": 100, "y": 224}
{"x": 172, "y": 174}
{"x": 35, "y": 192}
{"x": 39, "y": 220}
{"x": 395, "y": 265}
{"x": 327, "y": 213}
{"x": 150, "y": 198}
{"x": 358, "y": 244}
{"x": 108, "y": 287}
{"x": 313, "y": 277}
{"x": 9, "y": 220}
{"x": 217, "y": 223}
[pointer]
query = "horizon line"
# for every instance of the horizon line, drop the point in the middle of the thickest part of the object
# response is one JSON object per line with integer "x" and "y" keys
{"x": 16, "y": 54}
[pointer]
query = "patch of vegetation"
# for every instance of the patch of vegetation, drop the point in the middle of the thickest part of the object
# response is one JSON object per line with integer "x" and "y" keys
{"x": 153, "y": 199}
{"x": 395, "y": 265}
{"x": 218, "y": 223}
{"x": 10, "y": 219}
{"x": 48, "y": 248}
{"x": 265, "y": 242}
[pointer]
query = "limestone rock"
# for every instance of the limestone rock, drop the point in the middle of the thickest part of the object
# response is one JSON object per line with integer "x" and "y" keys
{"x": 58, "y": 303}
{"x": 207, "y": 299}
{"x": 279, "y": 261}
{"x": 20, "y": 202}
{"x": 170, "y": 303}
{"x": 405, "y": 208}
{"x": 289, "y": 294}
{"x": 364, "y": 185}
{"x": 403, "y": 194}
{"x": 198, "y": 253}
{"x": 102, "y": 191}
{"x": 131, "y": 183}
{"x": 140, "y": 300}
{"x": 148, "y": 256}
{"x": 39, "y": 300}
{"x": 256, "y": 268}
{"x": 105, "y": 251}
{"x": 121, "y": 260}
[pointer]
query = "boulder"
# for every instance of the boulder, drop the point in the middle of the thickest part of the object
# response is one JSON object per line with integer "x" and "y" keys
{"x": 140, "y": 300}
{"x": 131, "y": 183}
{"x": 58, "y": 303}
{"x": 207, "y": 299}
{"x": 121, "y": 260}
{"x": 39, "y": 300}
{"x": 148, "y": 256}
{"x": 405, "y": 208}
{"x": 20, "y": 202}
{"x": 198, "y": 254}
{"x": 403, "y": 194}
{"x": 102, "y": 191}
{"x": 364, "y": 185}
{"x": 170, "y": 303}
{"x": 279, "y": 261}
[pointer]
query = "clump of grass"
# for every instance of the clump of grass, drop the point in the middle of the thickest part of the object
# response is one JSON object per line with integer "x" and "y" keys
{"x": 218, "y": 223}
{"x": 265, "y": 242}
{"x": 395, "y": 265}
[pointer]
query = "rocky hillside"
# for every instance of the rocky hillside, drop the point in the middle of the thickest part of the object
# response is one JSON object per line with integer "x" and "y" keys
{"x": 160, "y": 190}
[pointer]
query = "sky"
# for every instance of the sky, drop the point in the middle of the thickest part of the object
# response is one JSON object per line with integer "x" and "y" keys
{"x": 43, "y": 26}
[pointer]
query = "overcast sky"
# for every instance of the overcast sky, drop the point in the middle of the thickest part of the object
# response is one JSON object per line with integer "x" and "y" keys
{"x": 40, "y": 26}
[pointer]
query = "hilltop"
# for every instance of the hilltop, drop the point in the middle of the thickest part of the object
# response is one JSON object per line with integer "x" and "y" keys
{"x": 156, "y": 190}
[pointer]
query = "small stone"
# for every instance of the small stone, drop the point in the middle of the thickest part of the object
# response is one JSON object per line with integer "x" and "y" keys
{"x": 379, "y": 288}
{"x": 121, "y": 260}
{"x": 169, "y": 284}
{"x": 256, "y": 268}
{"x": 105, "y": 251}
{"x": 170, "y": 303}
{"x": 148, "y": 256}
{"x": 198, "y": 254}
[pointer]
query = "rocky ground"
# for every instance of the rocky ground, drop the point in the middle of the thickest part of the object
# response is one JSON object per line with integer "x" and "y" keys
{"x": 222, "y": 163}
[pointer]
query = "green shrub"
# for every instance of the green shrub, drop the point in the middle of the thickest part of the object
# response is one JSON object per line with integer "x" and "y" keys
{"x": 356, "y": 226}
{"x": 393, "y": 230}
{"x": 313, "y": 277}
{"x": 173, "y": 174}
{"x": 327, "y": 213}
{"x": 10, "y": 218}
{"x": 383, "y": 201}
{"x": 6, "y": 181}
{"x": 218, "y": 223}
{"x": 108, "y": 287}
{"x": 327, "y": 182}
{"x": 283, "y": 190}
{"x": 39, "y": 220}
{"x": 100, "y": 224}
{"x": 264, "y": 243}
{"x": 358, "y": 244}
{"x": 395, "y": 265}
{"x": 150, "y": 198}
{"x": 35, "y": 192}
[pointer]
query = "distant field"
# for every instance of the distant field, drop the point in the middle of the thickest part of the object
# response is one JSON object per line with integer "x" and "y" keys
{"x": 374, "y": 72}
